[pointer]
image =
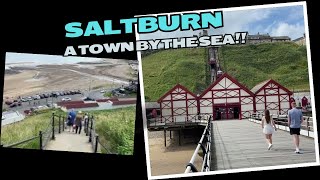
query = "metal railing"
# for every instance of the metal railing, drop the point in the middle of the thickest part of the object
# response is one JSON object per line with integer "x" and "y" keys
{"x": 90, "y": 130}
{"x": 205, "y": 145}
{"x": 45, "y": 135}
{"x": 282, "y": 120}
{"x": 172, "y": 120}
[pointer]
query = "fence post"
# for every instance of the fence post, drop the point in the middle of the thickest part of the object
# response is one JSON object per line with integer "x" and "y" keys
{"x": 90, "y": 134}
{"x": 52, "y": 127}
{"x": 63, "y": 122}
{"x": 96, "y": 145}
{"x": 40, "y": 140}
{"x": 59, "y": 123}
{"x": 308, "y": 125}
{"x": 87, "y": 125}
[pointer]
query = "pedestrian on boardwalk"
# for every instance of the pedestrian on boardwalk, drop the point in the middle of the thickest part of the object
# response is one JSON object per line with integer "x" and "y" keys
{"x": 268, "y": 127}
{"x": 78, "y": 122}
{"x": 295, "y": 119}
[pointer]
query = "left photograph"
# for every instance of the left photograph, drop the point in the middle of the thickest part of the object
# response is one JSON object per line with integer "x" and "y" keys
{"x": 76, "y": 104}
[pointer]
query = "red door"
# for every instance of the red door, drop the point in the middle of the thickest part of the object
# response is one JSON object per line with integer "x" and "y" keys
{"x": 226, "y": 112}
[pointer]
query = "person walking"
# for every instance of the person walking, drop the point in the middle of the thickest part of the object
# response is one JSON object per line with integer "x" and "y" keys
{"x": 268, "y": 127}
{"x": 71, "y": 118}
{"x": 78, "y": 122}
{"x": 85, "y": 122}
{"x": 295, "y": 119}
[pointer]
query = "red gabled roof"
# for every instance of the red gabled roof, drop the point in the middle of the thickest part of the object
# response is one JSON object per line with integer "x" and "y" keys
{"x": 85, "y": 105}
{"x": 225, "y": 75}
{"x": 172, "y": 89}
{"x": 62, "y": 103}
{"x": 107, "y": 99}
{"x": 124, "y": 102}
{"x": 265, "y": 83}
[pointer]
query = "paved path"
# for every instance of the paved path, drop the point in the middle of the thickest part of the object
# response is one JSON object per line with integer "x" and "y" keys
{"x": 241, "y": 144}
{"x": 69, "y": 141}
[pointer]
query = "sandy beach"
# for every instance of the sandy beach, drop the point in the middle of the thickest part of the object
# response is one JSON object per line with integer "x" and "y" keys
{"x": 25, "y": 81}
{"x": 173, "y": 158}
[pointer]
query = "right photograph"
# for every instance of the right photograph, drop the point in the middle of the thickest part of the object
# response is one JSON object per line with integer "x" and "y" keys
{"x": 232, "y": 108}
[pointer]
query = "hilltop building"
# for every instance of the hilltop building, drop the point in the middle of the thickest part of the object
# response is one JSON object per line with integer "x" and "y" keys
{"x": 265, "y": 38}
{"x": 301, "y": 40}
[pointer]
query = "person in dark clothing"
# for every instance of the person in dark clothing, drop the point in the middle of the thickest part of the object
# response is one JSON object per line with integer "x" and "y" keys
{"x": 85, "y": 122}
{"x": 71, "y": 119}
{"x": 78, "y": 122}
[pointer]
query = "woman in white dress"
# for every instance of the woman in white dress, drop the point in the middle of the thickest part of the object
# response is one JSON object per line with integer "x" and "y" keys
{"x": 268, "y": 127}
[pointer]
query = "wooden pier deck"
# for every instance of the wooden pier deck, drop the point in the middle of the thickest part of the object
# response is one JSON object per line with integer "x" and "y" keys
{"x": 241, "y": 144}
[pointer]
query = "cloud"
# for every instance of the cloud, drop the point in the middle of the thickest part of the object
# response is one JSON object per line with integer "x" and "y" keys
{"x": 277, "y": 21}
{"x": 236, "y": 21}
{"x": 285, "y": 29}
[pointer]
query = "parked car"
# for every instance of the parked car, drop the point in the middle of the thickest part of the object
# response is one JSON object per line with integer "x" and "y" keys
{"x": 122, "y": 91}
{"x": 102, "y": 91}
{"x": 13, "y": 105}
{"x": 24, "y": 99}
{"x": 8, "y": 102}
{"x": 36, "y": 97}
{"x": 66, "y": 99}
{"x": 88, "y": 99}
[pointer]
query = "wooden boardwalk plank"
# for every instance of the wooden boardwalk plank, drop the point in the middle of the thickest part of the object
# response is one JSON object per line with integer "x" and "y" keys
{"x": 241, "y": 144}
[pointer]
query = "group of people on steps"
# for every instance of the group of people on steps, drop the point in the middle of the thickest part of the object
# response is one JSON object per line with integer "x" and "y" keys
{"x": 76, "y": 120}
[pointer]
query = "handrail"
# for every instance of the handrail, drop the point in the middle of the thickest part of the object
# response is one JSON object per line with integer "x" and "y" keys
{"x": 163, "y": 121}
{"x": 44, "y": 135}
{"x": 281, "y": 120}
{"x": 205, "y": 148}
{"x": 90, "y": 129}
{"x": 21, "y": 142}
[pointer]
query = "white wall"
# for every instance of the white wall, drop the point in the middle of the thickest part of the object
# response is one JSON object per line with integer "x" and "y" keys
{"x": 11, "y": 117}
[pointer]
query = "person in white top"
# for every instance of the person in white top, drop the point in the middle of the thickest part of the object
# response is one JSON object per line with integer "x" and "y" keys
{"x": 268, "y": 127}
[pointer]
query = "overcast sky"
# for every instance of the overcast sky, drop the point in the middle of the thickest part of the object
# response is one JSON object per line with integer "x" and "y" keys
{"x": 45, "y": 59}
{"x": 277, "y": 21}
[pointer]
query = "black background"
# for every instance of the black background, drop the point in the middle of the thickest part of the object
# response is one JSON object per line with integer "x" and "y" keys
{"x": 44, "y": 33}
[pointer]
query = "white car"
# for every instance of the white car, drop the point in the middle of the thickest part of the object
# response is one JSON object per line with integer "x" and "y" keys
{"x": 103, "y": 91}
{"x": 66, "y": 99}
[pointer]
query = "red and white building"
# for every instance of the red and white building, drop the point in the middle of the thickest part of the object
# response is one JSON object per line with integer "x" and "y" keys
{"x": 226, "y": 98}
{"x": 273, "y": 96}
{"x": 178, "y": 105}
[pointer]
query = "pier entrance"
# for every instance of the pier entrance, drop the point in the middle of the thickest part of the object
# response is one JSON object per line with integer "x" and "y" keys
{"x": 226, "y": 112}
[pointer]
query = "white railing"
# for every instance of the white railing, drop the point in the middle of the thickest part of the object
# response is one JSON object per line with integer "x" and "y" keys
{"x": 205, "y": 145}
{"x": 281, "y": 122}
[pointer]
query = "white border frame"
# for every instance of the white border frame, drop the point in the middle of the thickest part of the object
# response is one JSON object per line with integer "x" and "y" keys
{"x": 317, "y": 163}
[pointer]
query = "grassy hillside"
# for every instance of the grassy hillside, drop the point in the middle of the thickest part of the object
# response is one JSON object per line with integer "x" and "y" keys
{"x": 284, "y": 62}
{"x": 116, "y": 129}
{"x": 164, "y": 69}
{"x": 27, "y": 128}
